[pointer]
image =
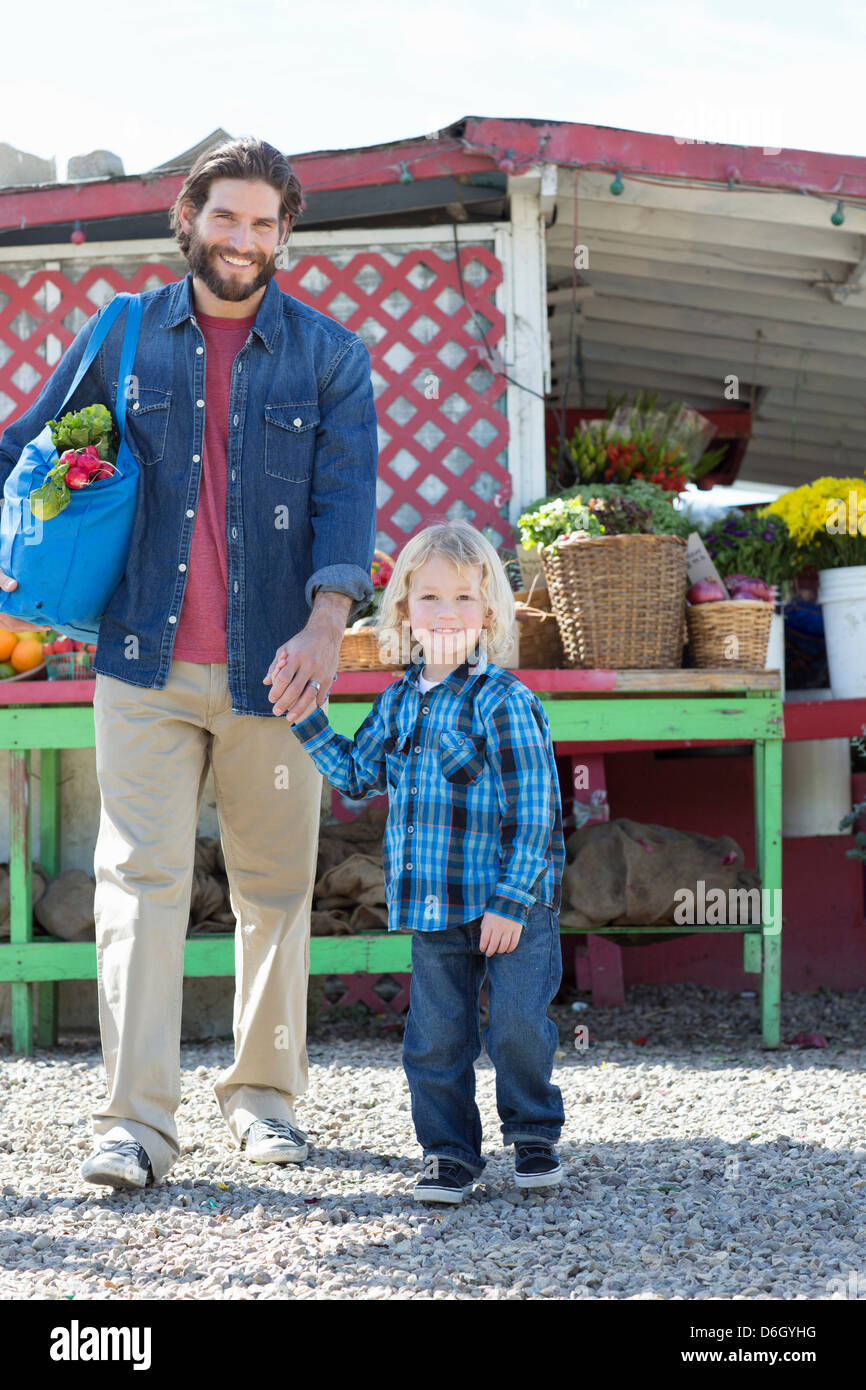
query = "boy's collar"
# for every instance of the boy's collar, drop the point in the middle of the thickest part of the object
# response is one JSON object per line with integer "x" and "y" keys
{"x": 458, "y": 678}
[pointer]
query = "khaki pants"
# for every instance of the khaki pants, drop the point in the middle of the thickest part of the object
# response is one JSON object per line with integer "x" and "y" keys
{"x": 153, "y": 751}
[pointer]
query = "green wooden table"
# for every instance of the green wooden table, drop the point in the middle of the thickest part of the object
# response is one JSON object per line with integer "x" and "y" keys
{"x": 592, "y": 710}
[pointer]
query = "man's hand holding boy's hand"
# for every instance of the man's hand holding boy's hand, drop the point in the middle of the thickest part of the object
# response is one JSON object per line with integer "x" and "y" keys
{"x": 499, "y": 935}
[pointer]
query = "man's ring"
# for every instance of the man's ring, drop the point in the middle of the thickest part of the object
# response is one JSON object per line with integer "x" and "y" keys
{"x": 315, "y": 683}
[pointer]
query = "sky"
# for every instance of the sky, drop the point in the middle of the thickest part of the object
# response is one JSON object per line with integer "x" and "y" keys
{"x": 148, "y": 81}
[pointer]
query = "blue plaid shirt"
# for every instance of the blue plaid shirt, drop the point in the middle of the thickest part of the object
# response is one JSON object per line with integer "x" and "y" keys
{"x": 475, "y": 818}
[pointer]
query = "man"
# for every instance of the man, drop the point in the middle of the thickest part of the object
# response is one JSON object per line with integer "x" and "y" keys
{"x": 252, "y": 419}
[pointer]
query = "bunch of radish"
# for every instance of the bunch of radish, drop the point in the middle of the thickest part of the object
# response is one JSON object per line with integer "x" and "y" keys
{"x": 67, "y": 644}
{"x": 739, "y": 586}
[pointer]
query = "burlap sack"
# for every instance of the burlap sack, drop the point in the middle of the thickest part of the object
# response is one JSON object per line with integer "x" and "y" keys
{"x": 209, "y": 856}
{"x": 621, "y": 872}
{"x": 40, "y": 883}
{"x": 208, "y": 896}
{"x": 367, "y": 827}
{"x": 334, "y": 923}
{"x": 359, "y": 879}
{"x": 66, "y": 908}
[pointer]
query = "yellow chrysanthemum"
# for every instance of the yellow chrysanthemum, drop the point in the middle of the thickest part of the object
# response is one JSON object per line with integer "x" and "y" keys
{"x": 807, "y": 510}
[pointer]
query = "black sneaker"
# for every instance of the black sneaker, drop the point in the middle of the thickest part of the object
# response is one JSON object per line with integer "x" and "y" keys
{"x": 118, "y": 1163}
{"x": 536, "y": 1164}
{"x": 453, "y": 1179}
{"x": 274, "y": 1141}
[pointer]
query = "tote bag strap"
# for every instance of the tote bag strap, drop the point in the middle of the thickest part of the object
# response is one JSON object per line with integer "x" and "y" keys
{"x": 127, "y": 358}
{"x": 97, "y": 338}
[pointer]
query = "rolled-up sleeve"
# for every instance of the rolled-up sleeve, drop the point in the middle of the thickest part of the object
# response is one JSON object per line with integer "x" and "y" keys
{"x": 343, "y": 491}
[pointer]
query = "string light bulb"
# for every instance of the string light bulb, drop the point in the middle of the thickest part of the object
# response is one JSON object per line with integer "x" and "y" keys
{"x": 617, "y": 185}
{"x": 838, "y": 217}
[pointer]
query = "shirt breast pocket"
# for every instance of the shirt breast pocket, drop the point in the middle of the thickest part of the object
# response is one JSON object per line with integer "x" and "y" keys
{"x": 290, "y": 440}
{"x": 461, "y": 757}
{"x": 396, "y": 756}
{"x": 147, "y": 415}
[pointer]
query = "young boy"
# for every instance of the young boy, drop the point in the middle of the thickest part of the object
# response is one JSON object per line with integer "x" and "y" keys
{"x": 473, "y": 856}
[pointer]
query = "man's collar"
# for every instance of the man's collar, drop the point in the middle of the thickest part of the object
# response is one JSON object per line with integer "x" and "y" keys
{"x": 458, "y": 678}
{"x": 181, "y": 305}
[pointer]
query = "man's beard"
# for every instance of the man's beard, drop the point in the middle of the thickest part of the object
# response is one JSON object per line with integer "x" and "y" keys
{"x": 203, "y": 262}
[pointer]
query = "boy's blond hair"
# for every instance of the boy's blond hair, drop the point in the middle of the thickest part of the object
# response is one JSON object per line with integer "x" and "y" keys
{"x": 463, "y": 545}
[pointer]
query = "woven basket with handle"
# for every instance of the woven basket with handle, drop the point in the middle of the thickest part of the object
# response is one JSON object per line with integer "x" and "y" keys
{"x": 359, "y": 651}
{"x": 730, "y": 635}
{"x": 619, "y": 600}
{"x": 540, "y": 645}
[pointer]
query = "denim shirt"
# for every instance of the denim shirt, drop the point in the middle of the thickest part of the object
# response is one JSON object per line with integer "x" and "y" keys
{"x": 475, "y": 815}
{"x": 301, "y": 487}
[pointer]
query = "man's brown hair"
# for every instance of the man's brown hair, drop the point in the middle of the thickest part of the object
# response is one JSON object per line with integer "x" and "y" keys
{"x": 244, "y": 158}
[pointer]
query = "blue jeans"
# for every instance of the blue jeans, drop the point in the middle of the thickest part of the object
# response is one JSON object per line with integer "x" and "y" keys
{"x": 443, "y": 1036}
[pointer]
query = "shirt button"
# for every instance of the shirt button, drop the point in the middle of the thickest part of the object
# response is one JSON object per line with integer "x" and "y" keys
{"x": 172, "y": 619}
{"x": 413, "y": 790}
{"x": 190, "y": 513}
{"x": 408, "y": 866}
{"x": 199, "y": 350}
{"x": 181, "y": 567}
{"x": 196, "y": 458}
{"x": 240, "y": 367}
{"x": 135, "y": 405}
{"x": 297, "y": 422}
{"x": 199, "y": 404}
{"x": 425, "y": 709}
{"x": 235, "y": 420}
{"x": 234, "y": 532}
{"x": 233, "y": 475}
{"x": 417, "y": 748}
{"x": 236, "y": 586}
{"x": 410, "y": 830}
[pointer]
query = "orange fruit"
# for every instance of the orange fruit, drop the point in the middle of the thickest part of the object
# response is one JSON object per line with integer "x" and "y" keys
{"x": 26, "y": 654}
{"x": 7, "y": 642}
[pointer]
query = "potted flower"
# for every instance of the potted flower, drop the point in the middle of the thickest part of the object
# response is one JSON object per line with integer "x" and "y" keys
{"x": 756, "y": 557}
{"x": 614, "y": 558}
{"x": 827, "y": 523}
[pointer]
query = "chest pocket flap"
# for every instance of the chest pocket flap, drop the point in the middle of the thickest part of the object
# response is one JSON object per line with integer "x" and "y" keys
{"x": 461, "y": 756}
{"x": 290, "y": 440}
{"x": 147, "y": 412}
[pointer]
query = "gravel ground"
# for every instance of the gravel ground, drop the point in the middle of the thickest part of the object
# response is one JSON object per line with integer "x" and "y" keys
{"x": 698, "y": 1166}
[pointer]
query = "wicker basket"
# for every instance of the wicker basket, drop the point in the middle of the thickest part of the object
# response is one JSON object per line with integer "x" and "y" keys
{"x": 619, "y": 600}
{"x": 359, "y": 651}
{"x": 540, "y": 646}
{"x": 712, "y": 626}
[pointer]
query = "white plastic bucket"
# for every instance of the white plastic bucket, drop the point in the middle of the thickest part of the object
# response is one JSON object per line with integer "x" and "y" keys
{"x": 842, "y": 596}
{"x": 816, "y": 779}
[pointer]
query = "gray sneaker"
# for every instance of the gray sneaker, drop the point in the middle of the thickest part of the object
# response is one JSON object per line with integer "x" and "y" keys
{"x": 118, "y": 1163}
{"x": 274, "y": 1141}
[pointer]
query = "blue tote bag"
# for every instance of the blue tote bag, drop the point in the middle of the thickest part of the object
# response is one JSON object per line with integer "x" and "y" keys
{"x": 68, "y": 567}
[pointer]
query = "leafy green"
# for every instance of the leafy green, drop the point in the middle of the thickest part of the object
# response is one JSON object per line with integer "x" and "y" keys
{"x": 78, "y": 428}
{"x": 50, "y": 499}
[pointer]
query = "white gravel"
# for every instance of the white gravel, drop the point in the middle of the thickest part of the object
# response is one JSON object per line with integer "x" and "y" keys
{"x": 698, "y": 1166}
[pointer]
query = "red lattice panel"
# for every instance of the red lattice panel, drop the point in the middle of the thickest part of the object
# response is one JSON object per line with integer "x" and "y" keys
{"x": 50, "y": 322}
{"x": 440, "y": 394}
{"x": 434, "y": 368}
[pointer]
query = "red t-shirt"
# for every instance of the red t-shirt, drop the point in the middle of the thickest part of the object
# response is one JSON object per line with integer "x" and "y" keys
{"x": 201, "y": 627}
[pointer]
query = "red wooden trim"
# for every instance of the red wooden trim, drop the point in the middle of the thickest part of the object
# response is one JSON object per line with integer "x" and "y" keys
{"x": 376, "y": 164}
{"x": 520, "y": 144}
{"x": 824, "y": 719}
{"x": 486, "y": 143}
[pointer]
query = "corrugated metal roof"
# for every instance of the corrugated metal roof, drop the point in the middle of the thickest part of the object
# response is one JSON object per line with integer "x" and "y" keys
{"x": 698, "y": 291}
